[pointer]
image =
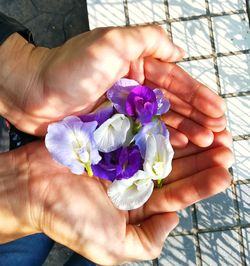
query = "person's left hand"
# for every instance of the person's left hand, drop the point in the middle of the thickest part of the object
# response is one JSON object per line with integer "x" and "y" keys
{"x": 75, "y": 210}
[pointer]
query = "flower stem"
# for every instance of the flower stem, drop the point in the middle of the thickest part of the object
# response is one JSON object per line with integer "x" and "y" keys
{"x": 89, "y": 169}
{"x": 136, "y": 128}
{"x": 159, "y": 183}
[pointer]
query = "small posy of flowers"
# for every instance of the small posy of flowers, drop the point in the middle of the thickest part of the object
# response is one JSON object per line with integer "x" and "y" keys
{"x": 123, "y": 141}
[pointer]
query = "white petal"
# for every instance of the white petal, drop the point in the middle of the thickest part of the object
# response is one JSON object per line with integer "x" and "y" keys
{"x": 158, "y": 158}
{"x": 112, "y": 134}
{"x": 132, "y": 193}
{"x": 170, "y": 155}
{"x": 151, "y": 149}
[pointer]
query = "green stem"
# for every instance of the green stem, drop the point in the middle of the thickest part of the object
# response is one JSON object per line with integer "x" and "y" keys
{"x": 89, "y": 169}
{"x": 136, "y": 128}
{"x": 159, "y": 183}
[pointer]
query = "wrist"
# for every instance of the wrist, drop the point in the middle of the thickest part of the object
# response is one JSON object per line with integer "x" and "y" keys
{"x": 15, "y": 207}
{"x": 19, "y": 76}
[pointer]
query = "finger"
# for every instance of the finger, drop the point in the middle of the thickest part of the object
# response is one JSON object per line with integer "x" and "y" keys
{"x": 192, "y": 164}
{"x": 119, "y": 49}
{"x": 134, "y": 42}
{"x": 177, "y": 139}
{"x": 174, "y": 79}
{"x": 185, "y": 109}
{"x": 145, "y": 242}
{"x": 185, "y": 192}
{"x": 222, "y": 138}
{"x": 136, "y": 71}
{"x": 197, "y": 134}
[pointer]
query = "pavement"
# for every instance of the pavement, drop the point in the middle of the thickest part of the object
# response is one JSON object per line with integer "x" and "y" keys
{"x": 216, "y": 37}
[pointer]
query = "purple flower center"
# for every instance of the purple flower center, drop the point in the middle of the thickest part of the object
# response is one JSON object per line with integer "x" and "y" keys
{"x": 130, "y": 161}
{"x": 142, "y": 104}
{"x": 120, "y": 164}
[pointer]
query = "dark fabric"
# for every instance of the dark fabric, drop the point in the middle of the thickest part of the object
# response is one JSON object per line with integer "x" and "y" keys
{"x": 31, "y": 250}
{"x": 9, "y": 25}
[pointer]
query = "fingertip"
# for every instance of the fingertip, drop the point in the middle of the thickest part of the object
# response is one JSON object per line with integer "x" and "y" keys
{"x": 225, "y": 179}
{"x": 177, "y": 139}
{"x": 223, "y": 138}
{"x": 219, "y": 107}
{"x": 208, "y": 102}
{"x": 223, "y": 156}
{"x": 169, "y": 221}
{"x": 181, "y": 51}
{"x": 204, "y": 139}
{"x": 174, "y": 218}
{"x": 177, "y": 54}
{"x": 217, "y": 180}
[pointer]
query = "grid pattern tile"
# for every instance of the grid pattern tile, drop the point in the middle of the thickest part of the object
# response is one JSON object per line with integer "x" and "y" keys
{"x": 216, "y": 37}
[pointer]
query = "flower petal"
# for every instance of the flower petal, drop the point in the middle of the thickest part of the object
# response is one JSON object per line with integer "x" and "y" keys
{"x": 153, "y": 128}
{"x": 58, "y": 134}
{"x": 158, "y": 158}
{"x": 132, "y": 193}
{"x": 113, "y": 133}
{"x": 71, "y": 143}
{"x": 118, "y": 93}
{"x": 100, "y": 115}
{"x": 141, "y": 103}
{"x": 103, "y": 173}
{"x": 162, "y": 102}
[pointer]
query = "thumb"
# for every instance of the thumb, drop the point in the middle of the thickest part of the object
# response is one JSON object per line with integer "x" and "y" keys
{"x": 144, "y": 242}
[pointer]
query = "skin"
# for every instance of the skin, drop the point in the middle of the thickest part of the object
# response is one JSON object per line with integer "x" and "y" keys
{"x": 40, "y": 85}
{"x": 51, "y": 83}
{"x": 39, "y": 195}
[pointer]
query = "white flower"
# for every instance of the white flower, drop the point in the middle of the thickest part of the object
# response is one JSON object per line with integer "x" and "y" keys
{"x": 158, "y": 158}
{"x": 113, "y": 133}
{"x": 132, "y": 193}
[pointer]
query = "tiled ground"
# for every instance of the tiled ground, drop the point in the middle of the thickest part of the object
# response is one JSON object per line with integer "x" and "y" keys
{"x": 216, "y": 37}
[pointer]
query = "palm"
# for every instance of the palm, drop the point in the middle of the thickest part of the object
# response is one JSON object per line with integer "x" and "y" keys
{"x": 74, "y": 208}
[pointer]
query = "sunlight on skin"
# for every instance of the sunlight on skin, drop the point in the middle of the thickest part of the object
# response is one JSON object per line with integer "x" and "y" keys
{"x": 70, "y": 79}
{"x": 53, "y": 200}
{"x": 178, "y": 82}
{"x": 177, "y": 139}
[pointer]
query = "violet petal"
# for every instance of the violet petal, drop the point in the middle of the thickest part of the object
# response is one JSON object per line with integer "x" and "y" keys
{"x": 162, "y": 103}
{"x": 155, "y": 127}
{"x": 100, "y": 115}
{"x": 118, "y": 93}
{"x": 141, "y": 103}
{"x": 130, "y": 161}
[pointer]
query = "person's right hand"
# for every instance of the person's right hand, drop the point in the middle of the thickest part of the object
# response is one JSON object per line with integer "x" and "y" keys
{"x": 40, "y": 85}
{"x": 40, "y": 195}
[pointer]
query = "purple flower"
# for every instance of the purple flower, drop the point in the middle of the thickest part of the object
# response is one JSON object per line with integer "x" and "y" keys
{"x": 106, "y": 168}
{"x": 142, "y": 104}
{"x": 153, "y": 128}
{"x": 120, "y": 164}
{"x": 100, "y": 115}
{"x": 162, "y": 103}
{"x": 119, "y": 92}
{"x": 72, "y": 144}
{"x": 130, "y": 161}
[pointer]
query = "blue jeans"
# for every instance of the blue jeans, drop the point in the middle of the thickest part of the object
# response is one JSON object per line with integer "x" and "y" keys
{"x": 32, "y": 251}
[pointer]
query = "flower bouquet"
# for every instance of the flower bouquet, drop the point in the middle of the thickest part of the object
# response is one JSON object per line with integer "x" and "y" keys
{"x": 123, "y": 141}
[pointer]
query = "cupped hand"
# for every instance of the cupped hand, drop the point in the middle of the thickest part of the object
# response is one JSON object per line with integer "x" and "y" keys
{"x": 75, "y": 210}
{"x": 71, "y": 79}
{"x": 196, "y": 112}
